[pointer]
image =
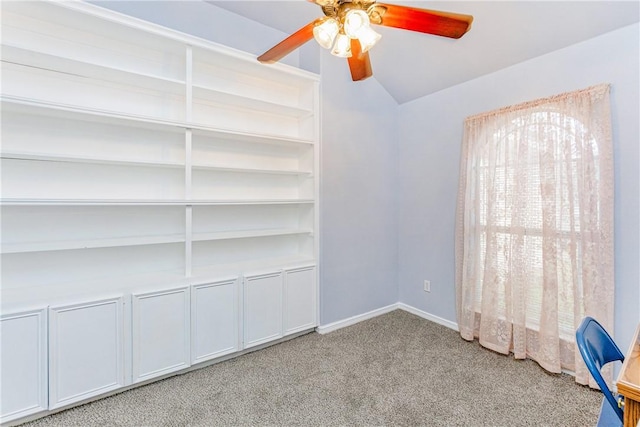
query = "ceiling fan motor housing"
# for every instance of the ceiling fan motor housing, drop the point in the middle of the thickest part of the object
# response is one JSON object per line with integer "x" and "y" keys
{"x": 338, "y": 9}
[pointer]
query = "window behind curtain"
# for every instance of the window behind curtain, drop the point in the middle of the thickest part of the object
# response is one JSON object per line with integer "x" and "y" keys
{"x": 564, "y": 130}
{"x": 534, "y": 250}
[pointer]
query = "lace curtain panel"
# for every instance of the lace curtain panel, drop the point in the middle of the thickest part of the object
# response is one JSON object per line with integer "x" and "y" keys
{"x": 534, "y": 232}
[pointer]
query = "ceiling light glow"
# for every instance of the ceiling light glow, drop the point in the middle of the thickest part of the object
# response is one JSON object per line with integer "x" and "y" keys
{"x": 326, "y": 32}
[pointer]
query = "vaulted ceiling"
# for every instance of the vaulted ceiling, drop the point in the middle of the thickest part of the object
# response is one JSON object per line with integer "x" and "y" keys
{"x": 410, "y": 65}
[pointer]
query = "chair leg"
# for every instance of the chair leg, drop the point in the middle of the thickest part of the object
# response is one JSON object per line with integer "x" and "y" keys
{"x": 608, "y": 417}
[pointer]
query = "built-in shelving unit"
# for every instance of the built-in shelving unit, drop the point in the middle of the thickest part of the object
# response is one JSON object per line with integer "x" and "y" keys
{"x": 148, "y": 177}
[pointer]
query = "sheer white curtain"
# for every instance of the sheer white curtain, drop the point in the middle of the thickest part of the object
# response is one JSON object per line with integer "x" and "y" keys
{"x": 534, "y": 235}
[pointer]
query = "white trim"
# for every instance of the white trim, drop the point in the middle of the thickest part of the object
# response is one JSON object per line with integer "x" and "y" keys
{"x": 428, "y": 316}
{"x": 325, "y": 329}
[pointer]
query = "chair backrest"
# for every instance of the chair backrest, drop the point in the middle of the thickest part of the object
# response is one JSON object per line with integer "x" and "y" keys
{"x": 597, "y": 349}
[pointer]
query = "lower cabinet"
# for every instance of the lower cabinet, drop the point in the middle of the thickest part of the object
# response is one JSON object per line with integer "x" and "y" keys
{"x": 299, "y": 299}
{"x": 160, "y": 333}
{"x": 262, "y": 308}
{"x": 86, "y": 350}
{"x": 23, "y": 367}
{"x": 56, "y": 356}
{"x": 215, "y": 320}
{"x": 278, "y": 304}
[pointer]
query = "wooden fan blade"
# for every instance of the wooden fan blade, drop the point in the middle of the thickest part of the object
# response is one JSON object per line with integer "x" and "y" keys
{"x": 444, "y": 24}
{"x": 359, "y": 62}
{"x": 289, "y": 44}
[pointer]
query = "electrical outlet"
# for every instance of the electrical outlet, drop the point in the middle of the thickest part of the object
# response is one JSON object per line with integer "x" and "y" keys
{"x": 427, "y": 286}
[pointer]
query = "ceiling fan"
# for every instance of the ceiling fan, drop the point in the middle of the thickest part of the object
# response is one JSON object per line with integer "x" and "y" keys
{"x": 346, "y": 30}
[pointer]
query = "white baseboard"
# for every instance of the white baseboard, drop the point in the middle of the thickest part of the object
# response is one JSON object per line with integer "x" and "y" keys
{"x": 325, "y": 329}
{"x": 428, "y": 316}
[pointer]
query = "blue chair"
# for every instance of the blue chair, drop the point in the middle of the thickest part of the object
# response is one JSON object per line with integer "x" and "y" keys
{"x": 597, "y": 349}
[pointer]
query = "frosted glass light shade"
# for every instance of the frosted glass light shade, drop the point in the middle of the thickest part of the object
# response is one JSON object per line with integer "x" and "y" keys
{"x": 326, "y": 33}
{"x": 368, "y": 38}
{"x": 355, "y": 21}
{"x": 342, "y": 47}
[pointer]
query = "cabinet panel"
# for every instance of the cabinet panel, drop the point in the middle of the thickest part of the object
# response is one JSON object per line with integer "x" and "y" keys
{"x": 262, "y": 309}
{"x": 300, "y": 299}
{"x": 86, "y": 353}
{"x": 23, "y": 370}
{"x": 214, "y": 320}
{"x": 161, "y": 333}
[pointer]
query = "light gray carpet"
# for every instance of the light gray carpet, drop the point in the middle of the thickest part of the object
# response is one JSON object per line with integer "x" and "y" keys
{"x": 396, "y": 369}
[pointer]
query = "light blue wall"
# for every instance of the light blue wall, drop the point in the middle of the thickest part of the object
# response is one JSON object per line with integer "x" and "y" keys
{"x": 429, "y": 154}
{"x": 358, "y": 194}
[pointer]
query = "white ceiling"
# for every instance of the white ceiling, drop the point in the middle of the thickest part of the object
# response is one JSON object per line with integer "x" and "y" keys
{"x": 410, "y": 65}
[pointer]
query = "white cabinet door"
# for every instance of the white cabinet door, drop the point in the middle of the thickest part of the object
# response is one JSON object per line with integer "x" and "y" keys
{"x": 262, "y": 308}
{"x": 86, "y": 356}
{"x": 299, "y": 299}
{"x": 23, "y": 372}
{"x": 215, "y": 320}
{"x": 161, "y": 335}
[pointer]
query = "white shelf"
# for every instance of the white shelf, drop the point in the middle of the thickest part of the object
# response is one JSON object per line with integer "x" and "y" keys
{"x": 73, "y": 29}
{"x": 49, "y": 157}
{"x": 226, "y": 235}
{"x": 248, "y": 67}
{"x": 250, "y": 202}
{"x": 45, "y": 157}
{"x": 90, "y": 202}
{"x": 156, "y": 202}
{"x": 53, "y": 109}
{"x": 57, "y": 109}
{"x": 251, "y": 170}
{"x": 225, "y": 134}
{"x": 266, "y": 265}
{"x": 64, "y": 291}
{"x": 73, "y": 67}
{"x": 209, "y": 95}
{"x": 60, "y": 245}
{"x": 16, "y": 299}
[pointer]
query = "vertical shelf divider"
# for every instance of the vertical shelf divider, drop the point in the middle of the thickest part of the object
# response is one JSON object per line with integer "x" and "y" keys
{"x": 189, "y": 82}
{"x": 188, "y": 252}
{"x": 188, "y": 162}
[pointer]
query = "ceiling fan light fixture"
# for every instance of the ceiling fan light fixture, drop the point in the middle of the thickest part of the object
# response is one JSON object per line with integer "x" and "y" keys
{"x": 346, "y": 25}
{"x": 355, "y": 21}
{"x": 368, "y": 38}
{"x": 326, "y": 32}
{"x": 342, "y": 48}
